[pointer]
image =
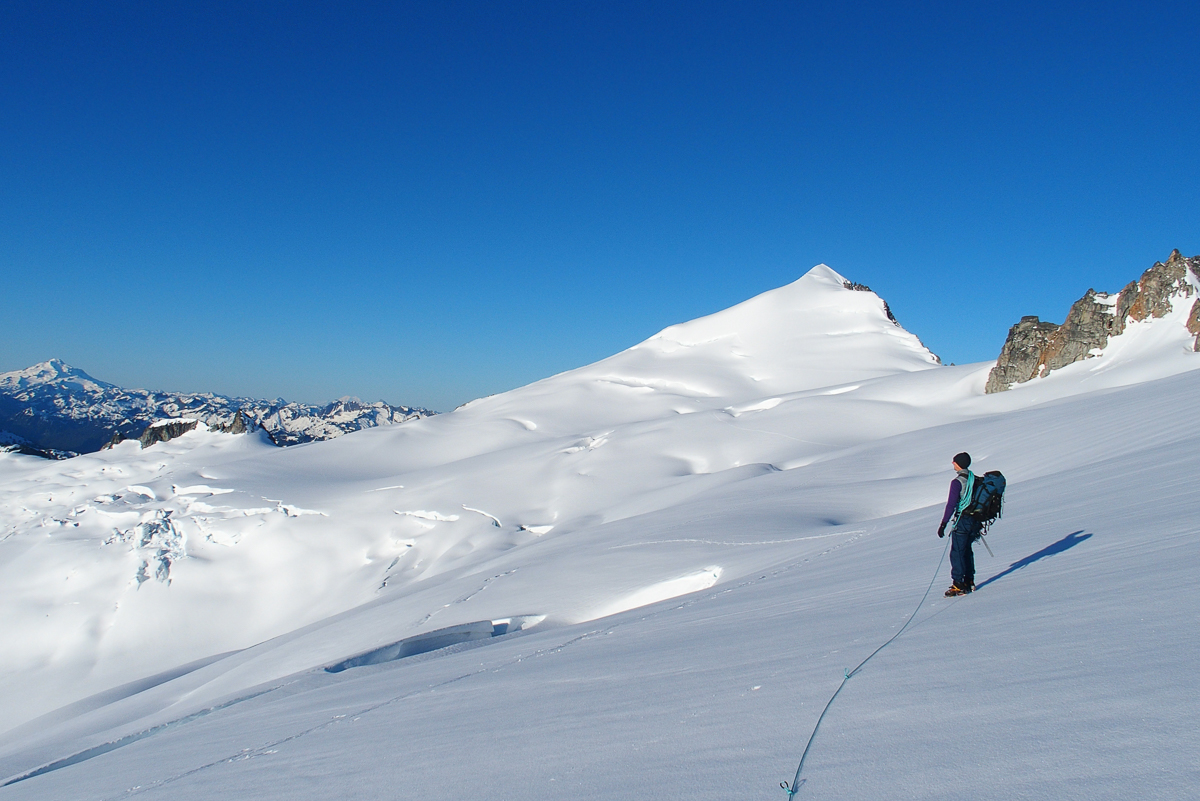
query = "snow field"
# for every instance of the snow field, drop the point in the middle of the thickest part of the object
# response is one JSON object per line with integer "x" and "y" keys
{"x": 699, "y": 582}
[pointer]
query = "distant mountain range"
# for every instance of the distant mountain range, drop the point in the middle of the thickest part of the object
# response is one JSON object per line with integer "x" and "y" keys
{"x": 54, "y": 409}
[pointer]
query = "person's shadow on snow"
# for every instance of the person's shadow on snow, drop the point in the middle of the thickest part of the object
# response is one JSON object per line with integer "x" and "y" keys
{"x": 1069, "y": 541}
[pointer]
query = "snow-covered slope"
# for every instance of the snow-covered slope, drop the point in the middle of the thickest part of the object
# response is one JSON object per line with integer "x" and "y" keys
{"x": 814, "y": 332}
{"x": 170, "y": 611}
{"x": 56, "y": 406}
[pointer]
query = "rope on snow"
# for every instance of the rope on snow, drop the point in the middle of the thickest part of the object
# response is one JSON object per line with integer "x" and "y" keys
{"x": 796, "y": 782}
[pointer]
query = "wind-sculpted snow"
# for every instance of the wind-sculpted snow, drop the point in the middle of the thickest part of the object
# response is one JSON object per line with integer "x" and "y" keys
{"x": 708, "y": 528}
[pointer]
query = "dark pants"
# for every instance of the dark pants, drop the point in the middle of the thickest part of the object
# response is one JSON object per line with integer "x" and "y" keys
{"x": 962, "y": 558}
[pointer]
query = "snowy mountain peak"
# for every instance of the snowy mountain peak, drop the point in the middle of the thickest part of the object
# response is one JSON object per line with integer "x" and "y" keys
{"x": 815, "y": 331}
{"x": 823, "y": 273}
{"x": 819, "y": 302}
{"x": 818, "y": 331}
{"x": 54, "y": 371}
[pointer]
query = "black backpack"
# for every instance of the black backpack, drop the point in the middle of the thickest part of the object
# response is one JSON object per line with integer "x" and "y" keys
{"x": 987, "y": 498}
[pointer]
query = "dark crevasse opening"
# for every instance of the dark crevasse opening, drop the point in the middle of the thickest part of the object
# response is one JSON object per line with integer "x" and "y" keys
{"x": 438, "y": 639}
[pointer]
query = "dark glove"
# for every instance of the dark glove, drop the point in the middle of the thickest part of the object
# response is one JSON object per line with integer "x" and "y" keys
{"x": 942, "y": 530}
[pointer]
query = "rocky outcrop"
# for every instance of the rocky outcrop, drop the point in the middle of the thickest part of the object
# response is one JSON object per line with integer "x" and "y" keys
{"x": 1021, "y": 357}
{"x": 237, "y": 425}
{"x": 166, "y": 430}
{"x": 1034, "y": 348}
{"x": 1193, "y": 324}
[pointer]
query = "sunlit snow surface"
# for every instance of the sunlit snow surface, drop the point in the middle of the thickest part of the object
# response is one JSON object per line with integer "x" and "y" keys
{"x": 639, "y": 579}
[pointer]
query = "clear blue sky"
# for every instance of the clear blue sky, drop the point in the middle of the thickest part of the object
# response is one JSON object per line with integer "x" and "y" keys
{"x": 428, "y": 203}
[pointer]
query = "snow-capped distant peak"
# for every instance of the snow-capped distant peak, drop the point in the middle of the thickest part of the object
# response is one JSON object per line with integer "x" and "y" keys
{"x": 63, "y": 408}
{"x": 54, "y": 371}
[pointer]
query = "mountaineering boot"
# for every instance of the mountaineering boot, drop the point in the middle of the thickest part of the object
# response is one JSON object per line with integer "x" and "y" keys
{"x": 955, "y": 590}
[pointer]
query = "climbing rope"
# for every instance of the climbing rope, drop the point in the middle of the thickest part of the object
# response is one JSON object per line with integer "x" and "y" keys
{"x": 847, "y": 674}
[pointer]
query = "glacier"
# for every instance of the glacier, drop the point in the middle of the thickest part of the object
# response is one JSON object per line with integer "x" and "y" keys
{"x": 641, "y": 578}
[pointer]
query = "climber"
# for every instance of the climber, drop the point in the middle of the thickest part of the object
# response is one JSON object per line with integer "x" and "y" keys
{"x": 966, "y": 528}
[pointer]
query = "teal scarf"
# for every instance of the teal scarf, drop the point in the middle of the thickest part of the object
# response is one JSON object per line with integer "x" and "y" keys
{"x": 965, "y": 498}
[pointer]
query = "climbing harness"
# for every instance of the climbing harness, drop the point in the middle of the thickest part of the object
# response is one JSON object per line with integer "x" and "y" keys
{"x": 847, "y": 674}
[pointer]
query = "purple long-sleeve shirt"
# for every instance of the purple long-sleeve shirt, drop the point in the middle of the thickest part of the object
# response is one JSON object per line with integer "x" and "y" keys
{"x": 956, "y": 488}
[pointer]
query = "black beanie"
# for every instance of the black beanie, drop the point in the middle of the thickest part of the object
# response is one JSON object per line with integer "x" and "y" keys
{"x": 963, "y": 460}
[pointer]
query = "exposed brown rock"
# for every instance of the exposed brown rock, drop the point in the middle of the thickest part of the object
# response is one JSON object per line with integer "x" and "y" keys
{"x": 1034, "y": 348}
{"x": 1158, "y": 285}
{"x": 1089, "y": 324}
{"x": 1193, "y": 324}
{"x": 1021, "y": 357}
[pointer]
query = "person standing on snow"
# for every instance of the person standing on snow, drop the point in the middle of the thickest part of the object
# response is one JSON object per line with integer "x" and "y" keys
{"x": 966, "y": 528}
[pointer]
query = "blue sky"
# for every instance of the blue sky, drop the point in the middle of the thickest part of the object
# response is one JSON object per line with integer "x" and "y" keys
{"x": 428, "y": 203}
